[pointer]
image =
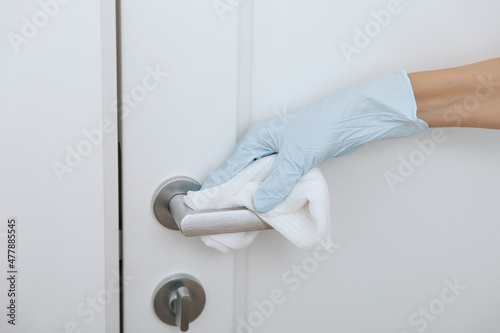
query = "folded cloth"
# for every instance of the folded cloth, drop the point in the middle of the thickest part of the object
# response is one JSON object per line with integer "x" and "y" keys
{"x": 303, "y": 217}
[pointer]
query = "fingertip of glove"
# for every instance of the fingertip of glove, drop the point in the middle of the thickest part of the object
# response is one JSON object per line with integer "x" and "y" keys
{"x": 264, "y": 204}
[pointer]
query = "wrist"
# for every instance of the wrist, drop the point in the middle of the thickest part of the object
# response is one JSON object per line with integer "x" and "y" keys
{"x": 467, "y": 96}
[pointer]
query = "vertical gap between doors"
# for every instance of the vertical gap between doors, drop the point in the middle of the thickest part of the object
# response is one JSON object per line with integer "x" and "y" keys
{"x": 119, "y": 127}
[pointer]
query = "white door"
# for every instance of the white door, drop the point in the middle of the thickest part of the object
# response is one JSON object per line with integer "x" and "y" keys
{"x": 416, "y": 255}
{"x": 59, "y": 167}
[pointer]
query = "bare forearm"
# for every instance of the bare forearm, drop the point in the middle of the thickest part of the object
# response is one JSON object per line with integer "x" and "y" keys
{"x": 466, "y": 96}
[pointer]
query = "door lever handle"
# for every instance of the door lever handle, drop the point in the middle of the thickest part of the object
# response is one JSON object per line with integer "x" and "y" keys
{"x": 171, "y": 211}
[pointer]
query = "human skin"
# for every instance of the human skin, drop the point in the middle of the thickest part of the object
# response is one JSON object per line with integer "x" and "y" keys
{"x": 465, "y": 96}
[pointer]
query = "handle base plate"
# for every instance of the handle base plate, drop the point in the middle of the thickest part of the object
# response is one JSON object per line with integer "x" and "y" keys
{"x": 165, "y": 192}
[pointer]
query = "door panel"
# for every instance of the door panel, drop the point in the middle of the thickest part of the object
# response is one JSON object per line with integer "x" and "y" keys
{"x": 59, "y": 168}
{"x": 415, "y": 256}
{"x": 395, "y": 249}
{"x": 182, "y": 127}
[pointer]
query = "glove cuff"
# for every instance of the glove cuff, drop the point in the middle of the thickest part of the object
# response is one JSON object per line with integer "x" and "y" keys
{"x": 422, "y": 124}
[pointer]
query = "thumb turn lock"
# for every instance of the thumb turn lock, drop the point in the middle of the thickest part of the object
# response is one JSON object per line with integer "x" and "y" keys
{"x": 178, "y": 300}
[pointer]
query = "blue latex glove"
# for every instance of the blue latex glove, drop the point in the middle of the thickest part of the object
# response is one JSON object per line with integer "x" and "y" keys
{"x": 381, "y": 108}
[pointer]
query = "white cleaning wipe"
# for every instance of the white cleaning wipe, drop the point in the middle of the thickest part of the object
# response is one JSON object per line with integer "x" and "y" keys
{"x": 303, "y": 217}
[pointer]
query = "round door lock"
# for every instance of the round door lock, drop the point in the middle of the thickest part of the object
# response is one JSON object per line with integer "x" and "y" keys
{"x": 178, "y": 300}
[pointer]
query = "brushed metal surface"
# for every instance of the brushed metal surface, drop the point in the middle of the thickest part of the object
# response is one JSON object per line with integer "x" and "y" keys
{"x": 170, "y": 210}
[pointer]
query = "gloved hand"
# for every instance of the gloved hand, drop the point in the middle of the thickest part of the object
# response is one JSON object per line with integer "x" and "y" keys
{"x": 381, "y": 108}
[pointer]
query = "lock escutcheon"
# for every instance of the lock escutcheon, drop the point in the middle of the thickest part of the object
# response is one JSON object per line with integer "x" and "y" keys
{"x": 178, "y": 300}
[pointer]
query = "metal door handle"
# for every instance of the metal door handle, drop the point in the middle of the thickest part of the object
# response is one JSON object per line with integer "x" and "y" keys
{"x": 171, "y": 212}
{"x": 178, "y": 300}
